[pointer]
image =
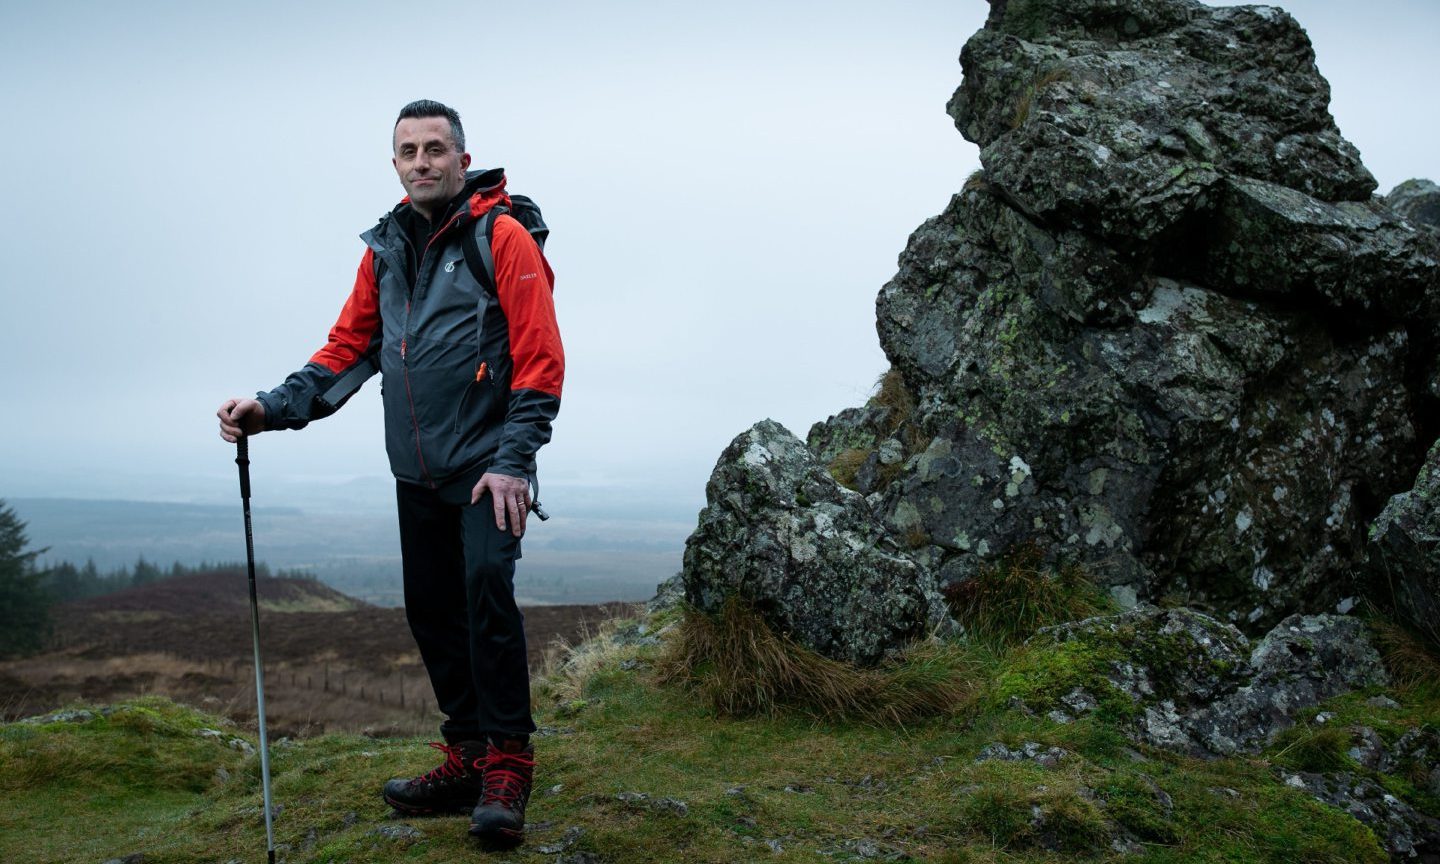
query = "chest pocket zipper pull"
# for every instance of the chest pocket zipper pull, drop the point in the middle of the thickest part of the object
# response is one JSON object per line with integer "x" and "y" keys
{"x": 450, "y": 265}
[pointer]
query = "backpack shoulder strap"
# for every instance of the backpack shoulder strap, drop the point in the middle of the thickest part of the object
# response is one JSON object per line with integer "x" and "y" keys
{"x": 478, "y": 256}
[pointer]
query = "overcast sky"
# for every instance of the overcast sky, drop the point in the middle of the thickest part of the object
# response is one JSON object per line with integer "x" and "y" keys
{"x": 728, "y": 187}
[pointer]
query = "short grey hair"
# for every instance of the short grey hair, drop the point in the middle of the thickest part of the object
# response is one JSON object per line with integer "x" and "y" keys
{"x": 421, "y": 108}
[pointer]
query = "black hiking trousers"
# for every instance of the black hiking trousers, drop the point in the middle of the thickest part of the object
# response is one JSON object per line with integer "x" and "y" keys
{"x": 460, "y": 601}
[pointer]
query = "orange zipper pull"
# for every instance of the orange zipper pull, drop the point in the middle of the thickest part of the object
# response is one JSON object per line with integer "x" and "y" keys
{"x": 480, "y": 373}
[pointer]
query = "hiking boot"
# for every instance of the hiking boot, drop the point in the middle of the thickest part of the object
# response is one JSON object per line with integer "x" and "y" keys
{"x": 499, "y": 818}
{"x": 454, "y": 787}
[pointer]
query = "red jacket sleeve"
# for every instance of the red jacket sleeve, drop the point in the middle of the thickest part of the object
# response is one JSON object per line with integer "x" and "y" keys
{"x": 524, "y": 288}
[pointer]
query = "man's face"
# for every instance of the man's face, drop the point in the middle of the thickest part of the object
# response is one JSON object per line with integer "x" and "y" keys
{"x": 430, "y": 168}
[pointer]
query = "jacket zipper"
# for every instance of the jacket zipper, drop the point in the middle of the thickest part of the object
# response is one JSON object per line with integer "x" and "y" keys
{"x": 405, "y": 367}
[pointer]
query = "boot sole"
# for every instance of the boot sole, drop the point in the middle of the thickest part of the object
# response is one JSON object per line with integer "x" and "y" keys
{"x": 413, "y": 810}
{"x": 498, "y": 838}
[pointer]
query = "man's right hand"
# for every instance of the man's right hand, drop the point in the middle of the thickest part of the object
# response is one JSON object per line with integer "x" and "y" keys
{"x": 240, "y": 417}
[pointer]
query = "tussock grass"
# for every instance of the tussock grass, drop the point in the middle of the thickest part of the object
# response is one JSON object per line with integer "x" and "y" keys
{"x": 845, "y": 467}
{"x": 1006, "y": 602}
{"x": 1314, "y": 748}
{"x": 1412, "y": 659}
{"x": 741, "y": 667}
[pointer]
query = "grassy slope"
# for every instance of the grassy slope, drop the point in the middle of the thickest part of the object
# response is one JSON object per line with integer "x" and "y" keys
{"x": 143, "y": 779}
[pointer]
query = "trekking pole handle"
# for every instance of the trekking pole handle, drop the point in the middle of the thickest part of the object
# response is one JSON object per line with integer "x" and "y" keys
{"x": 242, "y": 458}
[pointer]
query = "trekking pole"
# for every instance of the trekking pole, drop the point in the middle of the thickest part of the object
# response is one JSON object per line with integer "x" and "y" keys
{"x": 242, "y": 458}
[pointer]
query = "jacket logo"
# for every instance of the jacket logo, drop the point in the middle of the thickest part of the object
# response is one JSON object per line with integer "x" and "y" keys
{"x": 450, "y": 267}
{"x": 528, "y": 276}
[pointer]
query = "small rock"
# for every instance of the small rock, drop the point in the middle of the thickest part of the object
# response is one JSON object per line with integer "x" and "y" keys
{"x": 556, "y": 789}
{"x": 1369, "y": 748}
{"x": 73, "y": 716}
{"x": 1382, "y": 702}
{"x": 1079, "y": 701}
{"x": 137, "y": 858}
{"x": 775, "y": 846}
{"x": 400, "y": 833}
{"x": 671, "y": 805}
{"x": 566, "y": 840}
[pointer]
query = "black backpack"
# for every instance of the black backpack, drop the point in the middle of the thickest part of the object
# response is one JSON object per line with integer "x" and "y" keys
{"x": 479, "y": 257}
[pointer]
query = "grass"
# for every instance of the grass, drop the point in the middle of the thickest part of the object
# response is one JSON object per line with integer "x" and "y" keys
{"x": 1410, "y": 657}
{"x": 1007, "y": 601}
{"x": 637, "y": 765}
{"x": 1026, "y": 99}
{"x": 739, "y": 666}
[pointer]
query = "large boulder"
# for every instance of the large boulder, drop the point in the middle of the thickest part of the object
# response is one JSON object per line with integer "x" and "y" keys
{"x": 808, "y": 554}
{"x": 1123, "y": 115}
{"x": 1166, "y": 332}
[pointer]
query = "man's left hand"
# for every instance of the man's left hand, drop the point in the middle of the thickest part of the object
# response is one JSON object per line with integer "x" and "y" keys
{"x": 511, "y": 496}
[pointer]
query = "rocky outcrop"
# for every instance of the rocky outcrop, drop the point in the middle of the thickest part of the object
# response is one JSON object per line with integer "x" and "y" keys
{"x": 1166, "y": 332}
{"x": 1418, "y": 201}
{"x": 808, "y": 554}
{"x": 1406, "y": 549}
{"x": 1194, "y": 684}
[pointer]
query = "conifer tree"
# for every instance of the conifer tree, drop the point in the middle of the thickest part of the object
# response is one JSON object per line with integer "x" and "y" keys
{"x": 24, "y": 602}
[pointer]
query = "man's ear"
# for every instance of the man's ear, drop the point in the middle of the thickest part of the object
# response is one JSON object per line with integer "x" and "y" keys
{"x": 464, "y": 161}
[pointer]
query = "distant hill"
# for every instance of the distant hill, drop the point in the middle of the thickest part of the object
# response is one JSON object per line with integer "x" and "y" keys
{"x": 218, "y": 591}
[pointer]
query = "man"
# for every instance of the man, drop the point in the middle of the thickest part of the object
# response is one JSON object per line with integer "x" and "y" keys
{"x": 471, "y": 383}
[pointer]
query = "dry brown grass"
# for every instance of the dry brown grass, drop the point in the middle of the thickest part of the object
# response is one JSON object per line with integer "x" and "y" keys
{"x": 846, "y": 466}
{"x": 1007, "y": 601}
{"x": 1027, "y": 97}
{"x": 1409, "y": 657}
{"x": 899, "y": 403}
{"x": 739, "y": 666}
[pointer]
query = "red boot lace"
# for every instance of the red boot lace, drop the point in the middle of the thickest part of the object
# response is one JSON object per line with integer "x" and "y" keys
{"x": 507, "y": 778}
{"x": 453, "y": 766}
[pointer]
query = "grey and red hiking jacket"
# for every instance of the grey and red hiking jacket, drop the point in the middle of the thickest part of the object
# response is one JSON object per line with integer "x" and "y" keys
{"x": 471, "y": 379}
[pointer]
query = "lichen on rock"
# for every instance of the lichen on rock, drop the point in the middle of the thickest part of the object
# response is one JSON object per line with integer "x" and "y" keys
{"x": 806, "y": 553}
{"x": 1187, "y": 682}
{"x": 1172, "y": 299}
